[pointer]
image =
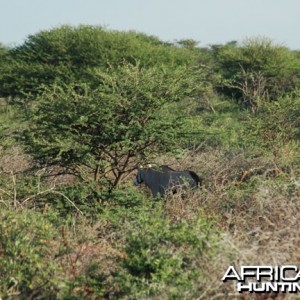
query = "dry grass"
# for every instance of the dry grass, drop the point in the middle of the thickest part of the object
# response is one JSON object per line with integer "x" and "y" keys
{"x": 264, "y": 233}
{"x": 13, "y": 160}
{"x": 86, "y": 247}
{"x": 259, "y": 216}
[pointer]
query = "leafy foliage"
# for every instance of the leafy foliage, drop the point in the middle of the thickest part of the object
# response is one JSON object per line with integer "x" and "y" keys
{"x": 26, "y": 261}
{"x": 69, "y": 54}
{"x": 108, "y": 130}
{"x": 95, "y": 103}
{"x": 277, "y": 126}
{"x": 155, "y": 259}
{"x": 256, "y": 71}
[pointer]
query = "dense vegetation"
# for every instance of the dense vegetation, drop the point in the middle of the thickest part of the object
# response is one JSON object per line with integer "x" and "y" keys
{"x": 83, "y": 106}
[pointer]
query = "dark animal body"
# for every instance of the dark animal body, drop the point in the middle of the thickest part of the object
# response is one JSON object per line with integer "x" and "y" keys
{"x": 163, "y": 179}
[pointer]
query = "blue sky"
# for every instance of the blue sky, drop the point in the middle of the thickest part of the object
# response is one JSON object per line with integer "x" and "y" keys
{"x": 207, "y": 21}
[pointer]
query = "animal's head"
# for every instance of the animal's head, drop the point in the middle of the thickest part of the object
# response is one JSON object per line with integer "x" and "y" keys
{"x": 139, "y": 179}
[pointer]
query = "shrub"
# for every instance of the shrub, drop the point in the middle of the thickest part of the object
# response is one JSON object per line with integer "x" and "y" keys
{"x": 277, "y": 126}
{"x": 257, "y": 71}
{"x": 162, "y": 258}
{"x": 69, "y": 54}
{"x": 102, "y": 134}
{"x": 26, "y": 258}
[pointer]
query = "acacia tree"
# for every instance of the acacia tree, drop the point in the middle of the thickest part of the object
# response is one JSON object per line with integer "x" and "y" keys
{"x": 67, "y": 54}
{"x": 102, "y": 134}
{"x": 94, "y": 98}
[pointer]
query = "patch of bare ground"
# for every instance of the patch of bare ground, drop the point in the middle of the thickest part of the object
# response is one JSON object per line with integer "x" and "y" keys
{"x": 13, "y": 160}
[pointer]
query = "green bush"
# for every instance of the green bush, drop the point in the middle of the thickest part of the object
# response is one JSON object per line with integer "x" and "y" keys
{"x": 26, "y": 258}
{"x": 70, "y": 54}
{"x": 163, "y": 259}
{"x": 256, "y": 71}
{"x": 277, "y": 128}
{"x": 98, "y": 134}
{"x": 278, "y": 123}
{"x": 227, "y": 127}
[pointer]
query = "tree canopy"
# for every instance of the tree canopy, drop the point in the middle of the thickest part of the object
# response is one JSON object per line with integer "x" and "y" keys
{"x": 256, "y": 70}
{"x": 70, "y": 54}
{"x": 106, "y": 129}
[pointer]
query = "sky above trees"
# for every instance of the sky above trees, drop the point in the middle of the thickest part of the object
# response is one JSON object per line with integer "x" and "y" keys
{"x": 206, "y": 21}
